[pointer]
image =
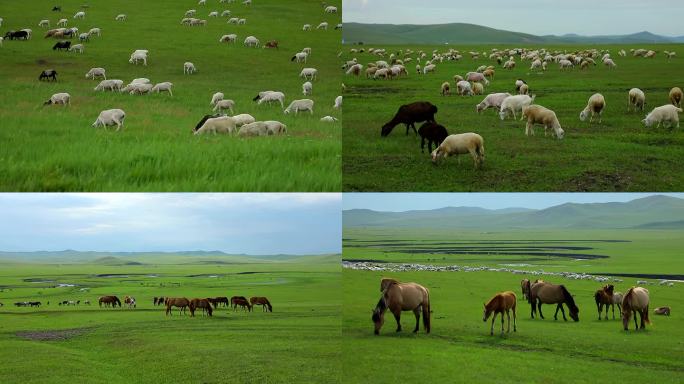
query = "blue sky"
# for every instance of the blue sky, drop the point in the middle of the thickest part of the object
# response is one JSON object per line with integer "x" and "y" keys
{"x": 396, "y": 202}
{"x": 261, "y": 223}
{"x": 538, "y": 17}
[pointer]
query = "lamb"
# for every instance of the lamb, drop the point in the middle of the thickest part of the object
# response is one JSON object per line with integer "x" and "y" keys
{"x": 275, "y": 127}
{"x": 232, "y": 38}
{"x": 493, "y": 100}
{"x": 513, "y": 104}
{"x": 96, "y": 72}
{"x": 300, "y": 105}
{"x": 666, "y": 113}
{"x": 306, "y": 27}
{"x": 461, "y": 144}
{"x": 637, "y": 99}
{"x": 163, "y": 87}
{"x": 595, "y": 105}
{"x": 328, "y": 119}
{"x": 524, "y": 90}
{"x": 299, "y": 57}
{"x": 111, "y": 85}
{"x": 243, "y": 119}
{"x": 338, "y": 102}
{"x": 224, "y": 104}
{"x": 676, "y": 96}
{"x": 59, "y": 98}
{"x": 233, "y": 20}
{"x": 221, "y": 124}
{"x": 76, "y": 48}
{"x": 270, "y": 96}
{"x": 410, "y": 114}
{"x": 536, "y": 114}
{"x": 307, "y": 88}
{"x": 477, "y": 77}
{"x": 44, "y": 23}
{"x": 432, "y": 133}
{"x": 139, "y": 88}
{"x": 478, "y": 88}
{"x": 309, "y": 74}
{"x": 446, "y": 89}
{"x": 257, "y": 128}
{"x": 79, "y": 15}
{"x": 225, "y": 13}
{"x": 120, "y": 17}
{"x": 463, "y": 88}
{"x": 323, "y": 25}
{"x": 216, "y": 97}
{"x": 251, "y": 41}
{"x": 110, "y": 117}
{"x": 189, "y": 68}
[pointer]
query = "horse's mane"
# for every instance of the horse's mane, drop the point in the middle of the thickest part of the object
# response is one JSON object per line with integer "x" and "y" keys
{"x": 380, "y": 308}
{"x": 626, "y": 306}
{"x": 493, "y": 300}
{"x": 568, "y": 298}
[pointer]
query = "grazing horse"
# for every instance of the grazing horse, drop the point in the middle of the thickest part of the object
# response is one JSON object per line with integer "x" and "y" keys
{"x": 635, "y": 301}
{"x": 205, "y": 304}
{"x": 399, "y": 297}
{"x": 265, "y": 304}
{"x": 525, "y": 285}
{"x": 181, "y": 302}
{"x": 109, "y": 300}
{"x": 235, "y": 299}
{"x": 130, "y": 301}
{"x": 500, "y": 303}
{"x": 547, "y": 293}
{"x": 241, "y": 301}
{"x": 604, "y": 296}
{"x": 222, "y": 300}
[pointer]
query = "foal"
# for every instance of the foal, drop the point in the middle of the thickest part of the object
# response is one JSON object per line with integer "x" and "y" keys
{"x": 500, "y": 303}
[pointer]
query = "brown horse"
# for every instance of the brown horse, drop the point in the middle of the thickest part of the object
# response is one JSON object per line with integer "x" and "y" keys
{"x": 220, "y": 300}
{"x": 242, "y": 302}
{"x": 130, "y": 301}
{"x": 181, "y": 302}
{"x": 525, "y": 285}
{"x": 205, "y": 304}
{"x": 500, "y": 303}
{"x": 265, "y": 304}
{"x": 547, "y": 293}
{"x": 604, "y": 296}
{"x": 109, "y": 300}
{"x": 635, "y": 301}
{"x": 398, "y": 297}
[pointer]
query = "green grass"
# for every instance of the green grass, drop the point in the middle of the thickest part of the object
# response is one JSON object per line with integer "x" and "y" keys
{"x": 298, "y": 342}
{"x": 619, "y": 154}
{"x": 460, "y": 349}
{"x": 56, "y": 149}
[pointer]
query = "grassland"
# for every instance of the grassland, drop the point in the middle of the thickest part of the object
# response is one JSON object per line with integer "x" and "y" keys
{"x": 459, "y": 348}
{"x": 619, "y": 154}
{"x": 298, "y": 342}
{"x": 55, "y": 148}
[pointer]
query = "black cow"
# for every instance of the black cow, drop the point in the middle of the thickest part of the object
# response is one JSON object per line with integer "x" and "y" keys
{"x": 62, "y": 45}
{"x": 48, "y": 74}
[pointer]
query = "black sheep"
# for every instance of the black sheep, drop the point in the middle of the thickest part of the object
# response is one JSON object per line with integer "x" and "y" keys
{"x": 62, "y": 45}
{"x": 433, "y": 133}
{"x": 409, "y": 114}
{"x": 48, "y": 74}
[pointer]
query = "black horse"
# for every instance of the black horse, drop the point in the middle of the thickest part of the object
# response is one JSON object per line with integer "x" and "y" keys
{"x": 19, "y": 35}
{"x": 62, "y": 45}
{"x": 48, "y": 74}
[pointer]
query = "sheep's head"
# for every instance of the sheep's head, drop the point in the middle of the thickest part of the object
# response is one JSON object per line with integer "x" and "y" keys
{"x": 48, "y": 102}
{"x": 479, "y": 107}
{"x": 583, "y": 115}
{"x": 646, "y": 122}
{"x": 560, "y": 133}
{"x": 502, "y": 115}
{"x": 435, "y": 155}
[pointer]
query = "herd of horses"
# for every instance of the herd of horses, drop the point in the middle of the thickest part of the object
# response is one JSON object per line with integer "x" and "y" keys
{"x": 206, "y": 304}
{"x": 397, "y": 297}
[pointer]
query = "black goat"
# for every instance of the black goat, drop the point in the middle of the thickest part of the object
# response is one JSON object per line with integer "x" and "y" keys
{"x": 62, "y": 45}
{"x": 410, "y": 114}
{"x": 433, "y": 133}
{"x": 48, "y": 74}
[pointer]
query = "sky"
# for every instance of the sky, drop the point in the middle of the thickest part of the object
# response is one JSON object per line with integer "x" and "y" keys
{"x": 256, "y": 224}
{"x": 397, "y": 202}
{"x": 537, "y": 17}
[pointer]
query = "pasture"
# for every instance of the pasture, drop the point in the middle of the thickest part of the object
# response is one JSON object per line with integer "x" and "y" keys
{"x": 619, "y": 154}
{"x": 298, "y": 342}
{"x": 459, "y": 347}
{"x": 54, "y": 148}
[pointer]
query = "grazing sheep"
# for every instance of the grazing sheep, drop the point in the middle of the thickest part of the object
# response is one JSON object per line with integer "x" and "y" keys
{"x": 96, "y": 72}
{"x": 662, "y": 311}
{"x": 514, "y": 104}
{"x": 306, "y": 27}
{"x": 216, "y": 98}
{"x": 536, "y": 64}
{"x": 213, "y": 14}
{"x": 432, "y": 133}
{"x": 95, "y": 31}
{"x": 120, "y": 17}
{"x": 225, "y": 13}
{"x": 338, "y": 102}
{"x": 163, "y": 87}
{"x": 300, "y": 105}
{"x": 62, "y": 22}
{"x": 461, "y": 144}
{"x": 329, "y": 119}
{"x": 446, "y": 89}
{"x": 536, "y": 114}
{"x": 270, "y": 96}
{"x": 637, "y": 99}
{"x": 409, "y": 114}
{"x": 463, "y": 88}
{"x": 478, "y": 88}
{"x": 243, "y": 118}
{"x": 477, "y": 77}
{"x": 488, "y": 73}
{"x": 202, "y": 2}
{"x": 62, "y": 45}
{"x": 138, "y": 56}
{"x": 307, "y": 88}
{"x": 355, "y": 70}
{"x": 275, "y": 127}
{"x": 225, "y": 104}
{"x": 323, "y": 25}
{"x": 221, "y": 124}
{"x": 190, "y": 12}
{"x": 493, "y": 100}
{"x": 77, "y": 48}
{"x": 110, "y": 117}
{"x": 609, "y": 63}
{"x": 565, "y": 64}
{"x": 44, "y": 23}
{"x": 309, "y": 74}
{"x": 233, "y": 20}
{"x": 430, "y": 68}
{"x": 666, "y": 113}
{"x": 109, "y": 85}
{"x": 141, "y": 80}
{"x": 300, "y": 57}
{"x": 519, "y": 83}
{"x": 257, "y": 128}
{"x": 251, "y": 41}
{"x": 595, "y": 105}
{"x": 242, "y": 21}
{"x": 457, "y": 78}
{"x": 59, "y": 98}
{"x": 139, "y": 88}
{"x": 676, "y": 96}
{"x": 510, "y": 64}
{"x": 330, "y": 9}
{"x": 189, "y": 68}
{"x": 524, "y": 90}
{"x": 79, "y": 15}
{"x": 84, "y": 37}
{"x": 48, "y": 74}
{"x": 232, "y": 38}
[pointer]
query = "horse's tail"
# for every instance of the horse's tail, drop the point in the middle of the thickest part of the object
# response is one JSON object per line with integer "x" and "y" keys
{"x": 646, "y": 319}
{"x": 426, "y": 313}
{"x": 117, "y": 301}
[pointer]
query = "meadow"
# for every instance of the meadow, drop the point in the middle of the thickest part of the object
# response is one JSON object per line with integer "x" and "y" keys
{"x": 460, "y": 349}
{"x": 54, "y": 148}
{"x": 619, "y": 154}
{"x": 298, "y": 342}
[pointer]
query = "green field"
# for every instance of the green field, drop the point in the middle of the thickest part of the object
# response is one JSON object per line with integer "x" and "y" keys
{"x": 298, "y": 342}
{"x": 619, "y": 154}
{"x": 56, "y": 149}
{"x": 460, "y": 349}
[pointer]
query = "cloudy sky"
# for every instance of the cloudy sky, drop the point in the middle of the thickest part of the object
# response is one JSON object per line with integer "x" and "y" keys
{"x": 538, "y": 17}
{"x": 396, "y": 202}
{"x": 261, "y": 223}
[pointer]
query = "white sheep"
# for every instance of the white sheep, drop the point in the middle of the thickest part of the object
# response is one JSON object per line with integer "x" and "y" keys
{"x": 231, "y": 38}
{"x": 233, "y": 20}
{"x": 189, "y": 68}
{"x": 213, "y": 14}
{"x": 338, "y": 102}
{"x": 595, "y": 105}
{"x": 478, "y": 88}
{"x": 323, "y": 25}
{"x": 463, "y": 88}
{"x": 306, "y": 27}
{"x": 221, "y": 124}
{"x": 242, "y": 21}
{"x": 225, "y": 13}
{"x": 300, "y": 57}
{"x": 493, "y": 100}
{"x": 79, "y": 15}
{"x": 76, "y": 48}
{"x": 275, "y": 127}
{"x": 536, "y": 114}
{"x": 62, "y": 22}
{"x": 251, "y": 41}
{"x": 163, "y": 87}
{"x": 202, "y": 2}
{"x": 307, "y": 50}
{"x": 96, "y": 72}
{"x": 59, "y": 98}
{"x": 110, "y": 117}
{"x": 257, "y": 128}
{"x": 330, "y": 9}
{"x": 44, "y": 23}
{"x": 636, "y": 99}
{"x": 565, "y": 64}
{"x": 329, "y": 119}
{"x": 309, "y": 74}
{"x": 675, "y": 96}
{"x": 461, "y": 144}
{"x": 243, "y": 118}
{"x": 190, "y": 12}
{"x": 141, "y": 80}
{"x": 111, "y": 85}
{"x": 307, "y": 88}
{"x": 270, "y": 96}
{"x": 120, "y": 17}
{"x": 430, "y": 68}
{"x": 609, "y": 63}
{"x": 138, "y": 56}
{"x": 514, "y": 104}
{"x": 524, "y": 90}
{"x": 216, "y": 98}
{"x": 666, "y": 113}
{"x": 139, "y": 89}
{"x": 224, "y": 104}
{"x": 300, "y": 105}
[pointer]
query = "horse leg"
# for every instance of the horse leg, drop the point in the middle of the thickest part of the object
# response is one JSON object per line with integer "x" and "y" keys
{"x": 508, "y": 315}
{"x": 562, "y": 311}
{"x": 416, "y": 312}
{"x": 540, "y": 311}
{"x": 599, "y": 308}
{"x": 397, "y": 316}
{"x": 555, "y": 315}
{"x": 514, "y": 316}
{"x": 641, "y": 315}
{"x": 491, "y": 329}
{"x": 532, "y": 311}
{"x": 502, "y": 323}
{"x": 634, "y": 312}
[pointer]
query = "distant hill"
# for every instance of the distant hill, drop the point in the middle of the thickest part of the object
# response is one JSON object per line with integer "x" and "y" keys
{"x": 650, "y": 212}
{"x": 142, "y": 258}
{"x": 463, "y": 33}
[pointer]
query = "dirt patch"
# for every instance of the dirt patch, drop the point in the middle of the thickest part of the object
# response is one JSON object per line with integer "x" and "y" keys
{"x": 52, "y": 335}
{"x": 41, "y": 62}
{"x": 591, "y": 181}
